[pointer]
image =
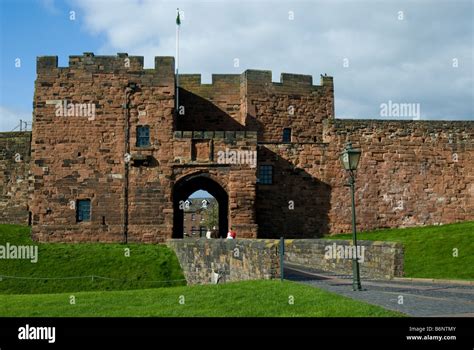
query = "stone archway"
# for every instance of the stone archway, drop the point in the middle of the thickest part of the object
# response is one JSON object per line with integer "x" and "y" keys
{"x": 190, "y": 184}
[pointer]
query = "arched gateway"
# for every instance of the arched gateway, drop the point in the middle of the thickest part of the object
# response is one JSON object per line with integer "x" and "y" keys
{"x": 190, "y": 184}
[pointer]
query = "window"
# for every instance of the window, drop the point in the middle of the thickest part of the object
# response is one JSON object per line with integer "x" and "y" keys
{"x": 83, "y": 210}
{"x": 143, "y": 136}
{"x": 193, "y": 217}
{"x": 286, "y": 135}
{"x": 265, "y": 174}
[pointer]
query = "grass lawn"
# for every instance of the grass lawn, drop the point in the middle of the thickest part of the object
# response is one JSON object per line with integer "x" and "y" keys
{"x": 250, "y": 298}
{"x": 429, "y": 250}
{"x": 130, "y": 292}
{"x": 58, "y": 260}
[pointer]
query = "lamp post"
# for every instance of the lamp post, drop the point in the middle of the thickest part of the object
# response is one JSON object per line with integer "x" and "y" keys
{"x": 350, "y": 159}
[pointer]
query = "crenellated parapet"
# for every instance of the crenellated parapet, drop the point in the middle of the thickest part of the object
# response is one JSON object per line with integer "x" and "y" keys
{"x": 221, "y": 84}
{"x": 122, "y": 63}
{"x": 250, "y": 101}
{"x": 164, "y": 68}
{"x": 195, "y": 80}
{"x": 255, "y": 79}
{"x": 289, "y": 82}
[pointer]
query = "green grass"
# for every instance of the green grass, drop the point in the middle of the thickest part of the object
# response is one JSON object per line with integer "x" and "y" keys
{"x": 429, "y": 250}
{"x": 250, "y": 298}
{"x": 428, "y": 253}
{"x": 58, "y": 260}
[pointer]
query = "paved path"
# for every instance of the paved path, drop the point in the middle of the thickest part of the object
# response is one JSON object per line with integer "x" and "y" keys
{"x": 419, "y": 299}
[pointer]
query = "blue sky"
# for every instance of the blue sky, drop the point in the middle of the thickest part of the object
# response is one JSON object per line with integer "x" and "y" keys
{"x": 30, "y": 29}
{"x": 201, "y": 194}
{"x": 405, "y": 61}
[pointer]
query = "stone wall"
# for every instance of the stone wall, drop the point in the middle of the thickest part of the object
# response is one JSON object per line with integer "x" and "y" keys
{"x": 411, "y": 173}
{"x": 79, "y": 157}
{"x": 293, "y": 103}
{"x": 209, "y": 260}
{"x": 214, "y": 106}
{"x": 238, "y": 180}
{"x": 296, "y": 205}
{"x": 15, "y": 179}
{"x": 381, "y": 260}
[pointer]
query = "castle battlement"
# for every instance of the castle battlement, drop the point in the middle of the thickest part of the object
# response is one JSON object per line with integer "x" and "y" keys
{"x": 256, "y": 78}
{"x": 217, "y": 79}
{"x": 121, "y": 63}
{"x": 252, "y": 142}
{"x": 287, "y": 80}
{"x": 165, "y": 67}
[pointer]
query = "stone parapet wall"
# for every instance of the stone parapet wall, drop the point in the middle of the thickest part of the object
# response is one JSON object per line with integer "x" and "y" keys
{"x": 381, "y": 260}
{"x": 122, "y": 63}
{"x": 207, "y": 261}
{"x": 15, "y": 182}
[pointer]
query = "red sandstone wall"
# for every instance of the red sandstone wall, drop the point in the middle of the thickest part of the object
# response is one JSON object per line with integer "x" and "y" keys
{"x": 297, "y": 204}
{"x": 238, "y": 180}
{"x": 267, "y": 108}
{"x": 84, "y": 158}
{"x": 77, "y": 158}
{"x": 293, "y": 103}
{"x": 213, "y": 106}
{"x": 411, "y": 173}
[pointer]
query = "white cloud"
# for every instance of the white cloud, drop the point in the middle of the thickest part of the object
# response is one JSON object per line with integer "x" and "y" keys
{"x": 407, "y": 60}
{"x": 10, "y": 119}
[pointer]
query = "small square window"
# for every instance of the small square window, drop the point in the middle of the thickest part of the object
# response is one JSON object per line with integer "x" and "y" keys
{"x": 83, "y": 210}
{"x": 143, "y": 136}
{"x": 286, "y": 135}
{"x": 265, "y": 174}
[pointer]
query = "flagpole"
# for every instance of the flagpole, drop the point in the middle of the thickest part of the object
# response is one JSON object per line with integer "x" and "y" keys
{"x": 177, "y": 62}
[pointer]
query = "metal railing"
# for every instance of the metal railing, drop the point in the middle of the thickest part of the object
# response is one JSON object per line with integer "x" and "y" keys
{"x": 23, "y": 126}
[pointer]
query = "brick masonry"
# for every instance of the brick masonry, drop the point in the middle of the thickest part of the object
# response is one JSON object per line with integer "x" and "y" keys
{"x": 411, "y": 172}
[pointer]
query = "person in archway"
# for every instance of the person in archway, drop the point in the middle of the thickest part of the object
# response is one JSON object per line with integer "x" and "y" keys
{"x": 215, "y": 232}
{"x": 231, "y": 234}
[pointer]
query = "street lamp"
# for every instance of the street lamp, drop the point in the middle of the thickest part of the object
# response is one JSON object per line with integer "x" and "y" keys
{"x": 350, "y": 159}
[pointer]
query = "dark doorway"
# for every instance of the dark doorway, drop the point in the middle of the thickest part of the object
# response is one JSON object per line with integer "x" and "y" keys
{"x": 187, "y": 186}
